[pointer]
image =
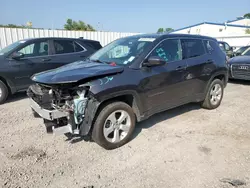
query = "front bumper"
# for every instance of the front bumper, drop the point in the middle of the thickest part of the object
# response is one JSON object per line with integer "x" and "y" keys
{"x": 47, "y": 114}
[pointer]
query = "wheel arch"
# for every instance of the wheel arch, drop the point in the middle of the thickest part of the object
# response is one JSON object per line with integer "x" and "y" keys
{"x": 223, "y": 76}
{"x": 94, "y": 107}
{"x": 128, "y": 97}
{"x": 6, "y": 83}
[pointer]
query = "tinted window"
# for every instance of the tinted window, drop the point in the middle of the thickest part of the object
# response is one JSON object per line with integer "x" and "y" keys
{"x": 66, "y": 46}
{"x": 93, "y": 44}
{"x": 35, "y": 49}
{"x": 242, "y": 49}
{"x": 192, "y": 48}
{"x": 247, "y": 52}
{"x": 169, "y": 50}
{"x": 215, "y": 45}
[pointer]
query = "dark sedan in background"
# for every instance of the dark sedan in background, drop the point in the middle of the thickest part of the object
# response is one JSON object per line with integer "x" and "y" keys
{"x": 240, "y": 66}
{"x": 20, "y": 60}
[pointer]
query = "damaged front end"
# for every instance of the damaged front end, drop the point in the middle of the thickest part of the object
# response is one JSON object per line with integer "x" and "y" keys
{"x": 64, "y": 109}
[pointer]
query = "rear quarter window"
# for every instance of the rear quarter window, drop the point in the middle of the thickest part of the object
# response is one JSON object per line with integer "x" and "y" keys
{"x": 215, "y": 48}
{"x": 93, "y": 44}
{"x": 208, "y": 45}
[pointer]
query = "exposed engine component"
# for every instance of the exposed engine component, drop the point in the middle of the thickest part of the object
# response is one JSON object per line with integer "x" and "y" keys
{"x": 79, "y": 106}
{"x": 69, "y": 104}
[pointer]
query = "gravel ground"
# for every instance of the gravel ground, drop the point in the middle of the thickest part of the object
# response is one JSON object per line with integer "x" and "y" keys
{"x": 185, "y": 147}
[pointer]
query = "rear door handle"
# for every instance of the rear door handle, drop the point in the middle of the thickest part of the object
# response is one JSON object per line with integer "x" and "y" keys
{"x": 209, "y": 61}
{"x": 180, "y": 68}
{"x": 45, "y": 59}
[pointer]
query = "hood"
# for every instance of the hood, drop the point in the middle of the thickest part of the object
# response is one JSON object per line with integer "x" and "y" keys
{"x": 76, "y": 71}
{"x": 240, "y": 60}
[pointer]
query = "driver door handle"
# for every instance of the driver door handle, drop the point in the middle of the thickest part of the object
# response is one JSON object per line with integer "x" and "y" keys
{"x": 45, "y": 59}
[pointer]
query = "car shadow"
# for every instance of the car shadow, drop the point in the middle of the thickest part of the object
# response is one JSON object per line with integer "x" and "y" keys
{"x": 163, "y": 116}
{"x": 146, "y": 124}
{"x": 242, "y": 82}
{"x": 16, "y": 97}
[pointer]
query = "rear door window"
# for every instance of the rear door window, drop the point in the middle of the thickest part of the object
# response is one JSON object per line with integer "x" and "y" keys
{"x": 67, "y": 46}
{"x": 192, "y": 48}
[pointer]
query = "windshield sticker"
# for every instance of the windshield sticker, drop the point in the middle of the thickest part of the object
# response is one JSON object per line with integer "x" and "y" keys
{"x": 147, "y": 39}
{"x": 131, "y": 59}
{"x": 125, "y": 62}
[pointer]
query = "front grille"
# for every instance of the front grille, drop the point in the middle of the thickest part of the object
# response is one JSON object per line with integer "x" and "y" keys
{"x": 241, "y": 71}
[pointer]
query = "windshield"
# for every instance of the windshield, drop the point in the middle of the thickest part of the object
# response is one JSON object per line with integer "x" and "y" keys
{"x": 246, "y": 52}
{"x": 242, "y": 49}
{"x": 10, "y": 47}
{"x": 122, "y": 51}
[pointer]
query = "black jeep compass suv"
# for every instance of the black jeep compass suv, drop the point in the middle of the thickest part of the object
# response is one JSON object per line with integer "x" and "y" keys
{"x": 128, "y": 81}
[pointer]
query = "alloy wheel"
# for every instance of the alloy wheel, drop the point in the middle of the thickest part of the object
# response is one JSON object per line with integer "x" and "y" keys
{"x": 116, "y": 126}
{"x": 215, "y": 94}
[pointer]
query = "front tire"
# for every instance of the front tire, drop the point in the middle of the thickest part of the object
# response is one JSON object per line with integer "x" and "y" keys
{"x": 214, "y": 95}
{"x": 114, "y": 125}
{"x": 3, "y": 92}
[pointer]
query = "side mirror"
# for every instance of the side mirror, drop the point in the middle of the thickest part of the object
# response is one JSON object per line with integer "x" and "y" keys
{"x": 17, "y": 55}
{"x": 154, "y": 61}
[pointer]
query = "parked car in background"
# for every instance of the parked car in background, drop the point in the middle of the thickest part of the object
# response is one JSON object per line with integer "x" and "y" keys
{"x": 241, "y": 50}
{"x": 128, "y": 81}
{"x": 226, "y": 48}
{"x": 20, "y": 60}
{"x": 240, "y": 66}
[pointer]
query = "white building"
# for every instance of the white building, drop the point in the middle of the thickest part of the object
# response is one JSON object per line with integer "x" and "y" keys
{"x": 234, "y": 27}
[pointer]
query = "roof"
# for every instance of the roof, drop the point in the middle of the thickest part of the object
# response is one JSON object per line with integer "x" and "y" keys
{"x": 158, "y": 35}
{"x": 56, "y": 38}
{"x": 211, "y": 23}
{"x": 237, "y": 20}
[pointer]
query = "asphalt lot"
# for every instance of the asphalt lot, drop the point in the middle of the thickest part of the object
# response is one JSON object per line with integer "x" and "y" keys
{"x": 186, "y": 147}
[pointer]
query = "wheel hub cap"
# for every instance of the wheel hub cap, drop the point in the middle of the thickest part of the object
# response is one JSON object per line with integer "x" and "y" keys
{"x": 117, "y": 126}
{"x": 215, "y": 94}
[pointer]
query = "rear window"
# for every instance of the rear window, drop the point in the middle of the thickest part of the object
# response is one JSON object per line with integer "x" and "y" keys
{"x": 192, "y": 48}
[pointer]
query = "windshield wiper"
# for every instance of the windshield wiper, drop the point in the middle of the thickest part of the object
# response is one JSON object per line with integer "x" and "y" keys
{"x": 96, "y": 60}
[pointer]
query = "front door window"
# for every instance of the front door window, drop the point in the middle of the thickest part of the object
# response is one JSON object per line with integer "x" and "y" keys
{"x": 168, "y": 50}
{"x": 35, "y": 49}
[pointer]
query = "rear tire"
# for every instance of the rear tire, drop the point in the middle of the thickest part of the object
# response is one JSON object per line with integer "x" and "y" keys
{"x": 4, "y": 92}
{"x": 214, "y": 95}
{"x": 114, "y": 125}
